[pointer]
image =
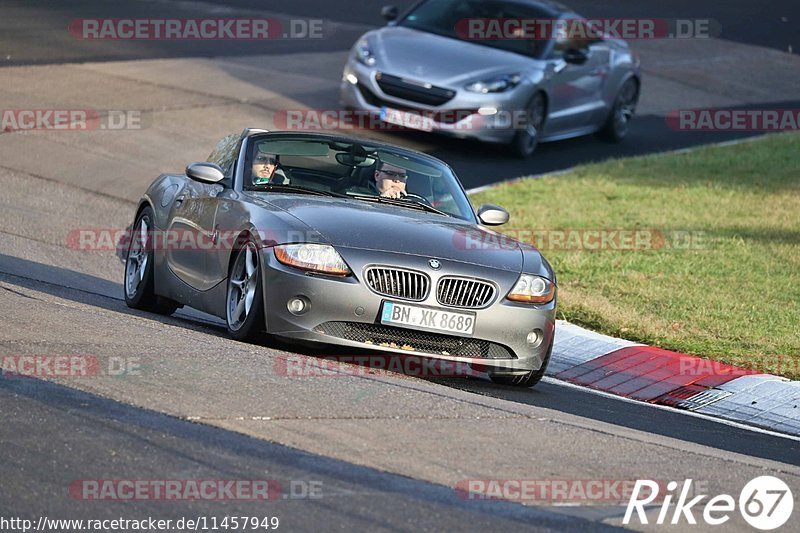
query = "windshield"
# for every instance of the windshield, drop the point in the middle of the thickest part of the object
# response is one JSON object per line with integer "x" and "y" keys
{"x": 358, "y": 171}
{"x": 449, "y": 17}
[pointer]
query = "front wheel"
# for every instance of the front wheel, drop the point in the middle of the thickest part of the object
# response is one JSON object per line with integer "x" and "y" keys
{"x": 617, "y": 125}
{"x": 525, "y": 140}
{"x": 525, "y": 380}
{"x": 139, "y": 277}
{"x": 245, "y": 302}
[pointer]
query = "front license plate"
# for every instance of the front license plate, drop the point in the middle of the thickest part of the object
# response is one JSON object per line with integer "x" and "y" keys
{"x": 407, "y": 119}
{"x": 428, "y": 318}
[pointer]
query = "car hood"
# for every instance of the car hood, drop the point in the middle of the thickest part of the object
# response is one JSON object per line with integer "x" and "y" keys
{"x": 440, "y": 60}
{"x": 358, "y": 224}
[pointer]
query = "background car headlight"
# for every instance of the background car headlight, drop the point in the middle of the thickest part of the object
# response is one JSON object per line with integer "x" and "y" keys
{"x": 313, "y": 257}
{"x": 532, "y": 289}
{"x": 364, "y": 53}
{"x": 495, "y": 85}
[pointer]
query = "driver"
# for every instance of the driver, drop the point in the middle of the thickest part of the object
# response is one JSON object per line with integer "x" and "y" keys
{"x": 266, "y": 169}
{"x": 391, "y": 180}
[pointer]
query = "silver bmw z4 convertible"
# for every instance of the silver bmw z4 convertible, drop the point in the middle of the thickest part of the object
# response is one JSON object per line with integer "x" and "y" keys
{"x": 325, "y": 239}
{"x": 517, "y": 72}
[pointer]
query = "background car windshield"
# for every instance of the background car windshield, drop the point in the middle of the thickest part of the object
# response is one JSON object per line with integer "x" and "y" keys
{"x": 443, "y": 16}
{"x": 347, "y": 168}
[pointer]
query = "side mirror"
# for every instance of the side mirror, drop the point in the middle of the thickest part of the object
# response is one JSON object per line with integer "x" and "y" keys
{"x": 205, "y": 172}
{"x": 390, "y": 13}
{"x": 492, "y": 215}
{"x": 573, "y": 56}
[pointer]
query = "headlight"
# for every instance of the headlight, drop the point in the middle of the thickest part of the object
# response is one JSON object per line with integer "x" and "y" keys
{"x": 495, "y": 85}
{"x": 313, "y": 257}
{"x": 532, "y": 289}
{"x": 364, "y": 53}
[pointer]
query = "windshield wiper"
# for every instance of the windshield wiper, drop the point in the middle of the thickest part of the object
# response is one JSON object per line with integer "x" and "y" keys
{"x": 297, "y": 189}
{"x": 399, "y": 202}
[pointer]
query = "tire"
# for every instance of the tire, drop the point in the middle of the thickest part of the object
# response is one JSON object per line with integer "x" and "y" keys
{"x": 617, "y": 124}
{"x": 525, "y": 380}
{"x": 139, "y": 280}
{"x": 525, "y": 141}
{"x": 244, "y": 302}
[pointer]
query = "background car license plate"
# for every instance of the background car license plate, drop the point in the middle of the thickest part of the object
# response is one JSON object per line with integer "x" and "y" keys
{"x": 407, "y": 119}
{"x": 428, "y": 318}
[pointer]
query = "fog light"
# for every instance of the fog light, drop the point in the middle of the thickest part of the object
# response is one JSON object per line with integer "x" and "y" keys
{"x": 351, "y": 78}
{"x": 487, "y": 111}
{"x": 296, "y": 306}
{"x": 535, "y": 338}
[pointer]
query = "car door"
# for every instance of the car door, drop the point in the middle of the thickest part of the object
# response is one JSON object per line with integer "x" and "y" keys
{"x": 192, "y": 233}
{"x": 575, "y": 90}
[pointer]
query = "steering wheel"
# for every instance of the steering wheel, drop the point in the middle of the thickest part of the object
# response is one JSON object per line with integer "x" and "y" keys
{"x": 420, "y": 199}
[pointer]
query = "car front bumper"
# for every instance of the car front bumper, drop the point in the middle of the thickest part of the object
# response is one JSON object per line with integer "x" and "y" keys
{"x": 459, "y": 117}
{"x": 345, "y": 312}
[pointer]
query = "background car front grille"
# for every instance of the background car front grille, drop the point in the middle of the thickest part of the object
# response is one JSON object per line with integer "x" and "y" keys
{"x": 448, "y": 116}
{"x": 400, "y": 283}
{"x": 400, "y": 88}
{"x": 414, "y": 340}
{"x": 464, "y": 292}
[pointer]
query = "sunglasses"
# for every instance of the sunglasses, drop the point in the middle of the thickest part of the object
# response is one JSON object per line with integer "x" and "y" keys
{"x": 395, "y": 174}
{"x": 264, "y": 160}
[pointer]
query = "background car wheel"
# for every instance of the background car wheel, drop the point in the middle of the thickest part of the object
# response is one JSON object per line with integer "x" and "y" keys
{"x": 526, "y": 380}
{"x": 139, "y": 283}
{"x": 525, "y": 141}
{"x": 244, "y": 302}
{"x": 616, "y": 127}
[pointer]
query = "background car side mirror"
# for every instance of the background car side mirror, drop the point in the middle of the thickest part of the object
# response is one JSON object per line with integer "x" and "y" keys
{"x": 390, "y": 13}
{"x": 492, "y": 215}
{"x": 205, "y": 172}
{"x": 573, "y": 56}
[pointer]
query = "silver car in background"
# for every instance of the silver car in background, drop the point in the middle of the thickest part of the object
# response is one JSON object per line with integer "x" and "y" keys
{"x": 424, "y": 71}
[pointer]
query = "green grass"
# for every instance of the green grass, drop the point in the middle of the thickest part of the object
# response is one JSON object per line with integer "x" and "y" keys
{"x": 734, "y": 296}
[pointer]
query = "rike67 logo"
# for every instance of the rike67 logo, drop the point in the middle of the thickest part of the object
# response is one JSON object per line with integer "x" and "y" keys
{"x": 765, "y": 503}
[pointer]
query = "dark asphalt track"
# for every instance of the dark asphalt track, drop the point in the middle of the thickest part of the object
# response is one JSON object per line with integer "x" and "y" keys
{"x": 55, "y": 435}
